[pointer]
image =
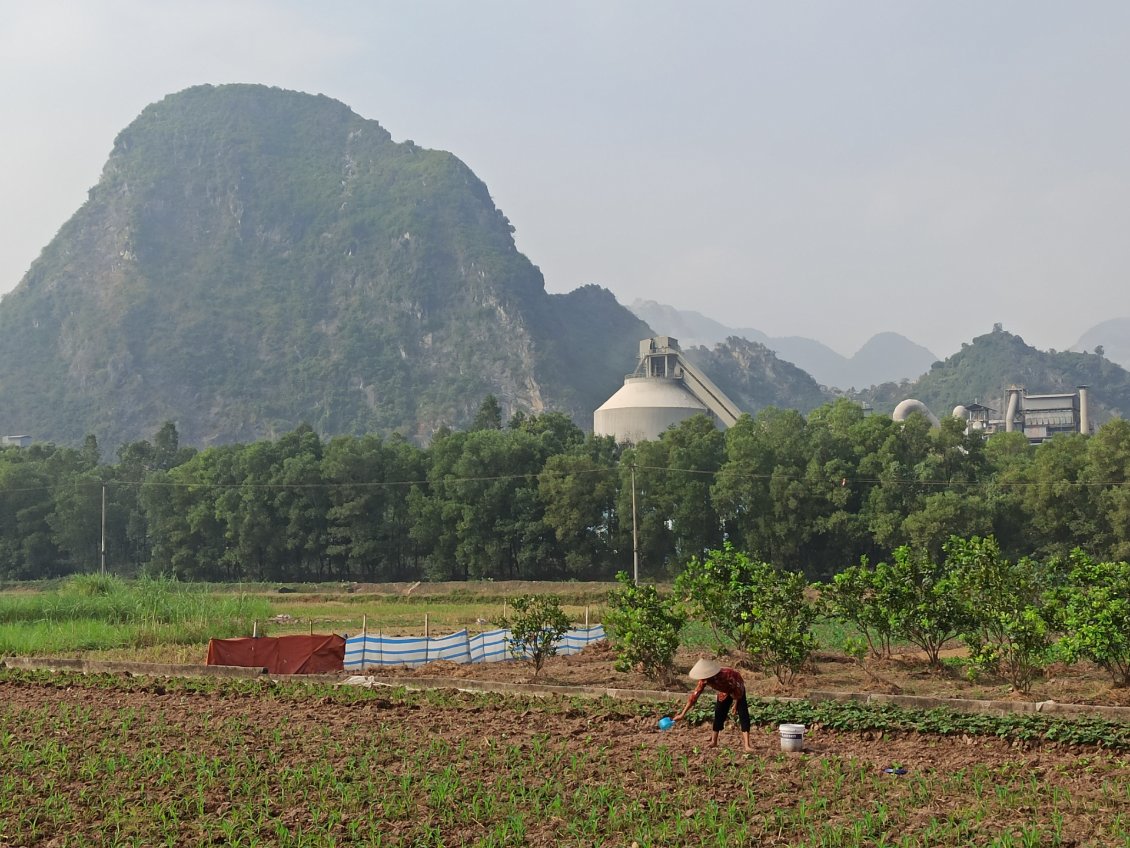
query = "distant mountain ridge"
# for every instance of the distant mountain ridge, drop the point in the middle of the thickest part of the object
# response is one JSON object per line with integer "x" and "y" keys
{"x": 1112, "y": 337}
{"x": 886, "y": 357}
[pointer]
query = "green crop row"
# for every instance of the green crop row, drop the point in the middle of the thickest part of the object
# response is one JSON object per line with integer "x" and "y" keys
{"x": 847, "y": 716}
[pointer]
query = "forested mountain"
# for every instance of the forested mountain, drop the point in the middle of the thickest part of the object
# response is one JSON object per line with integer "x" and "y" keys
{"x": 983, "y": 370}
{"x": 884, "y": 357}
{"x": 254, "y": 258}
{"x": 755, "y": 378}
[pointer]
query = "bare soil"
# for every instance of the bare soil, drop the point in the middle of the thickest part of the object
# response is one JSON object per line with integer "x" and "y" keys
{"x": 287, "y": 734}
{"x": 906, "y": 673}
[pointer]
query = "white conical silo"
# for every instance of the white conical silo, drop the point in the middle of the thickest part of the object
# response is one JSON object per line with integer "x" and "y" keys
{"x": 644, "y": 407}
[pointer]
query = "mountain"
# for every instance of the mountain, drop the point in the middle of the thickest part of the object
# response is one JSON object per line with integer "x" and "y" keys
{"x": 1113, "y": 337}
{"x": 253, "y": 258}
{"x": 983, "y": 370}
{"x": 754, "y": 377}
{"x": 884, "y": 358}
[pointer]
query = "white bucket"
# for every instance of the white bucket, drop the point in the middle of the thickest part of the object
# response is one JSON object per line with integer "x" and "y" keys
{"x": 792, "y": 737}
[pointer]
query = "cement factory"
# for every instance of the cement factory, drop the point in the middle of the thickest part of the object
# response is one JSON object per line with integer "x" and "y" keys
{"x": 1037, "y": 416}
{"x": 665, "y": 389}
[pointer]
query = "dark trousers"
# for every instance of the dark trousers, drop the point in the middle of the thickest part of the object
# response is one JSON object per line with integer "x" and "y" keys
{"x": 722, "y": 709}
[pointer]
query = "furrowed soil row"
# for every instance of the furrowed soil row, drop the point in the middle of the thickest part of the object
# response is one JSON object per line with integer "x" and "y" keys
{"x": 83, "y": 762}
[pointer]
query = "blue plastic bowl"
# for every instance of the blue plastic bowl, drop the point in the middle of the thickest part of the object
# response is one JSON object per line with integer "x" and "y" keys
{"x": 666, "y": 723}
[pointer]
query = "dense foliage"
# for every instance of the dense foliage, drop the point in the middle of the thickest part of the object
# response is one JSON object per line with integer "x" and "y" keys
{"x": 539, "y": 499}
{"x": 644, "y": 627}
{"x": 759, "y": 609}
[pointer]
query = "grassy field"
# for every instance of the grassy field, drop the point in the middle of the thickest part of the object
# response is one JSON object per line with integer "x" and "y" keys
{"x": 91, "y": 613}
{"x": 166, "y": 621}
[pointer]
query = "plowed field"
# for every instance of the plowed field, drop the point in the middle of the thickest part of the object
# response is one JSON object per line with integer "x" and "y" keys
{"x": 120, "y": 761}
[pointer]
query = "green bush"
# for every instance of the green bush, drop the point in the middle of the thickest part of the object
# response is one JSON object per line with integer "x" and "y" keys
{"x": 856, "y": 596}
{"x": 1096, "y": 614}
{"x": 538, "y": 622}
{"x": 644, "y": 628}
{"x": 1007, "y": 630}
{"x": 761, "y": 609}
{"x": 923, "y": 600}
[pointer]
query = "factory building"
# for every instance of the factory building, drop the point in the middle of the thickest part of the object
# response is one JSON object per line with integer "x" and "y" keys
{"x": 663, "y": 390}
{"x": 1037, "y": 416}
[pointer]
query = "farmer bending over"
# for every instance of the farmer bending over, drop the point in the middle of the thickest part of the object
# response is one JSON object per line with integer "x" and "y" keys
{"x": 730, "y": 686}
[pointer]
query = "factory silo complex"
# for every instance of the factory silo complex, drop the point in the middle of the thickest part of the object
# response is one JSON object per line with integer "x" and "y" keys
{"x": 663, "y": 390}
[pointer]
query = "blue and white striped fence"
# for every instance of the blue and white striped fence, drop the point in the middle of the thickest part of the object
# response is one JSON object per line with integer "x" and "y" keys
{"x": 367, "y": 651}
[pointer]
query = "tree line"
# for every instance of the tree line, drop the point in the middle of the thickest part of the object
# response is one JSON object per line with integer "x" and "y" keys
{"x": 537, "y": 498}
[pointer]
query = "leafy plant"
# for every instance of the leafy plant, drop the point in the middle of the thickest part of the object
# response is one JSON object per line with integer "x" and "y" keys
{"x": 925, "y": 607}
{"x": 536, "y": 626}
{"x": 644, "y": 628}
{"x": 763, "y": 610}
{"x": 1007, "y": 628}
{"x": 1096, "y": 614}
{"x": 855, "y": 596}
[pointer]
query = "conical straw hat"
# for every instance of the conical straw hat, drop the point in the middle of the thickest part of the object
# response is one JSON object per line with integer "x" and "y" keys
{"x": 703, "y": 669}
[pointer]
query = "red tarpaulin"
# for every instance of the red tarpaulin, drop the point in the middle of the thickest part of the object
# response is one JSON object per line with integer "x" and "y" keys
{"x": 281, "y": 654}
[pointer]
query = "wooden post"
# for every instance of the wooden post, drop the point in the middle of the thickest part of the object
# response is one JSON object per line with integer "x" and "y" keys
{"x": 364, "y": 640}
{"x": 255, "y": 629}
{"x": 427, "y": 641}
{"x": 586, "y": 618}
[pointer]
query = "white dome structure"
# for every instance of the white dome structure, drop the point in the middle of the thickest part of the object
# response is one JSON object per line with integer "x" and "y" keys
{"x": 644, "y": 407}
{"x": 906, "y": 407}
{"x": 664, "y": 390}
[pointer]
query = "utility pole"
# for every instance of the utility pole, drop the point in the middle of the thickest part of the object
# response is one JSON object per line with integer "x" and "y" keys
{"x": 103, "y": 546}
{"x": 635, "y": 534}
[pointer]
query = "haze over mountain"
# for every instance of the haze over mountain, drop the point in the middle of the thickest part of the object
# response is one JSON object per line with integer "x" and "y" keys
{"x": 754, "y": 377}
{"x": 885, "y": 357}
{"x": 1112, "y": 336}
{"x": 254, "y": 258}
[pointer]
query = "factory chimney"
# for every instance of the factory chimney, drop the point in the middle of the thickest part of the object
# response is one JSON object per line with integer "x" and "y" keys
{"x": 1084, "y": 412}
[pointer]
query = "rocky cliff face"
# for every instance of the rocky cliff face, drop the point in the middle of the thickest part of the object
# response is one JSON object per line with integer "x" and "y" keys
{"x": 754, "y": 378}
{"x": 254, "y": 258}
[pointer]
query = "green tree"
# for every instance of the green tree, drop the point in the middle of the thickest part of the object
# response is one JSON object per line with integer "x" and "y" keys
{"x": 1107, "y": 476}
{"x": 675, "y": 513}
{"x": 1008, "y": 628}
{"x": 644, "y": 628}
{"x": 1096, "y": 614}
{"x": 856, "y": 597}
{"x": 926, "y": 608}
{"x": 760, "y": 609}
{"x": 489, "y": 416}
{"x": 579, "y": 490}
{"x": 536, "y": 625}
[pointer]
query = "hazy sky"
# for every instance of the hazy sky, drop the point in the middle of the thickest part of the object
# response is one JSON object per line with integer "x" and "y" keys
{"x": 829, "y": 169}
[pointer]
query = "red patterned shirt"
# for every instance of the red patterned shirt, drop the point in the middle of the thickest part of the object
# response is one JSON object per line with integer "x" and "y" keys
{"x": 728, "y": 682}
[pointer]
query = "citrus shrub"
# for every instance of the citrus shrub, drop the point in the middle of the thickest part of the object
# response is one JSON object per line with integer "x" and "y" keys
{"x": 644, "y": 628}
{"x": 537, "y": 624}
{"x": 761, "y": 609}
